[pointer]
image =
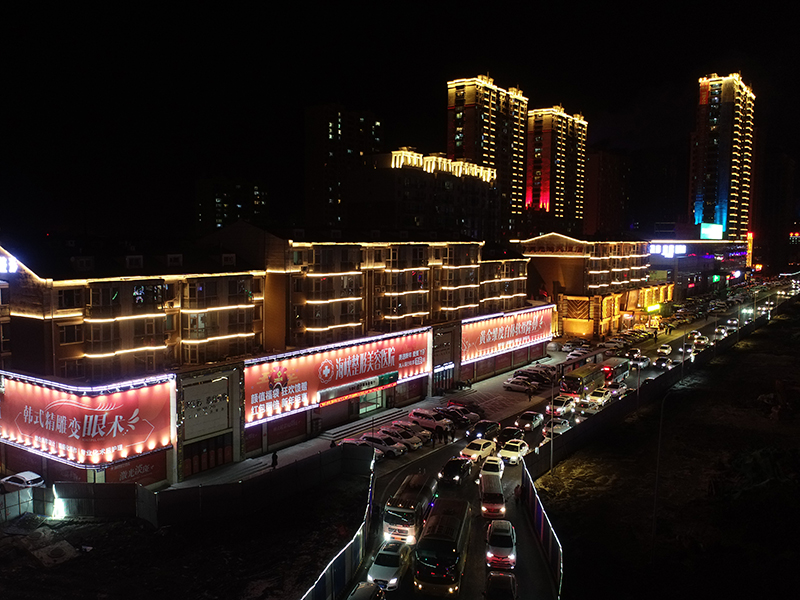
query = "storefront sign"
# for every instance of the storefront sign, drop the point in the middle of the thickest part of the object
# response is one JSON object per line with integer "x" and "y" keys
{"x": 86, "y": 429}
{"x": 280, "y": 387}
{"x": 500, "y": 334}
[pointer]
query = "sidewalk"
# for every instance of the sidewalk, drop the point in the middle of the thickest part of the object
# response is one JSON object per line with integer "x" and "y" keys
{"x": 252, "y": 467}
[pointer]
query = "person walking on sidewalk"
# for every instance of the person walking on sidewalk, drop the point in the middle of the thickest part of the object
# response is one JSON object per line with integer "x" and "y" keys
{"x": 274, "y": 460}
{"x": 530, "y": 394}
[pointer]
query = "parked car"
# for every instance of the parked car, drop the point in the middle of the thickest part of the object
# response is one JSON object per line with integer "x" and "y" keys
{"x": 513, "y": 451}
{"x": 664, "y": 350}
{"x": 485, "y": 429}
{"x": 430, "y": 420}
{"x": 529, "y": 420}
{"x": 414, "y": 429}
{"x": 561, "y": 405}
{"x": 21, "y": 481}
{"x": 385, "y": 444}
{"x": 478, "y": 450}
{"x": 398, "y": 434}
{"x": 493, "y": 465}
{"x": 518, "y": 384}
{"x": 457, "y": 470}
{"x": 379, "y": 454}
{"x": 456, "y": 417}
{"x": 465, "y": 413}
{"x": 390, "y": 564}
{"x": 501, "y": 545}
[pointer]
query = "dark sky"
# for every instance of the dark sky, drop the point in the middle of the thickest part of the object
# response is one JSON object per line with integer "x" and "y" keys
{"x": 118, "y": 113}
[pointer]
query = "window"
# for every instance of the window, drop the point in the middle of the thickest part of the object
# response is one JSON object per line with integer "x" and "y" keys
{"x": 70, "y": 298}
{"x": 70, "y": 334}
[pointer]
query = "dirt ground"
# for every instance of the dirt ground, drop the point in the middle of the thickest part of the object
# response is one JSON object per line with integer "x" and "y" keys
{"x": 273, "y": 553}
{"x": 726, "y": 507}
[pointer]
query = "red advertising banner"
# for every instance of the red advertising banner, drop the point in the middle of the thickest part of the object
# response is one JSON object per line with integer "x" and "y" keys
{"x": 86, "y": 429}
{"x": 145, "y": 470}
{"x": 499, "y": 334}
{"x": 283, "y": 386}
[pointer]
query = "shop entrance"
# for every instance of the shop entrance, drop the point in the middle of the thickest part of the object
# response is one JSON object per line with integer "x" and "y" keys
{"x": 207, "y": 454}
{"x": 369, "y": 402}
{"x": 443, "y": 379}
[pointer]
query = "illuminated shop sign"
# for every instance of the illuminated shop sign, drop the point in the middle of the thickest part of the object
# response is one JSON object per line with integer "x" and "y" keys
{"x": 483, "y": 338}
{"x": 710, "y": 231}
{"x": 296, "y": 384}
{"x": 359, "y": 388}
{"x": 668, "y": 250}
{"x": 91, "y": 430}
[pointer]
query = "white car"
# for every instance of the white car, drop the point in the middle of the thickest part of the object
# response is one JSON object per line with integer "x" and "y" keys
{"x": 493, "y": 465}
{"x": 561, "y": 405}
{"x": 391, "y": 563}
{"x": 518, "y": 384}
{"x": 431, "y": 420}
{"x": 21, "y": 481}
{"x": 664, "y": 350}
{"x": 600, "y": 396}
{"x": 640, "y": 362}
{"x": 611, "y": 345}
{"x": 513, "y": 451}
{"x": 588, "y": 407}
{"x": 384, "y": 443}
{"x": 618, "y": 389}
{"x": 501, "y": 545}
{"x": 556, "y": 425}
{"x": 478, "y": 449}
{"x": 402, "y": 436}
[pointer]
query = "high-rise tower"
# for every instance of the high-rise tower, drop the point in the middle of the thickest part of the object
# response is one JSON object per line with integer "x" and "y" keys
{"x": 486, "y": 126}
{"x": 555, "y": 176}
{"x": 722, "y": 158}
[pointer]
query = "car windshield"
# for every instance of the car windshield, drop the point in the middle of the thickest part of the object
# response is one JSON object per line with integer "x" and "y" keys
{"x": 394, "y": 516}
{"x": 512, "y": 446}
{"x": 384, "y": 559}
{"x": 475, "y": 446}
{"x": 491, "y": 466}
{"x": 452, "y": 468}
{"x": 500, "y": 540}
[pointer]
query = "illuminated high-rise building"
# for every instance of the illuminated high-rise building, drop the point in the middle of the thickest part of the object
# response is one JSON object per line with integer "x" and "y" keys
{"x": 555, "y": 176}
{"x": 722, "y": 158}
{"x": 486, "y": 126}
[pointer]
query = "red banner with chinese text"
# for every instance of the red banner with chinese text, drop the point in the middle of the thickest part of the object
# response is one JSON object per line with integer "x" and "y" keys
{"x": 490, "y": 336}
{"x": 86, "y": 429}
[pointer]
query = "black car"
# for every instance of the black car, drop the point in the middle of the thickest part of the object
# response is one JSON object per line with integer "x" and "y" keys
{"x": 456, "y": 417}
{"x": 509, "y": 433}
{"x": 457, "y": 470}
{"x": 484, "y": 429}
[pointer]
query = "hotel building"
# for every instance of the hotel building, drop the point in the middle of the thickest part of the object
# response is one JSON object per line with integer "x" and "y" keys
{"x": 720, "y": 184}
{"x": 555, "y": 171}
{"x": 486, "y": 126}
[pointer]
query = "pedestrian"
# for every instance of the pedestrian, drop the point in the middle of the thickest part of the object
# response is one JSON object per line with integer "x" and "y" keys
{"x": 433, "y": 440}
{"x": 333, "y": 443}
{"x": 530, "y": 395}
{"x": 441, "y": 436}
{"x": 275, "y": 460}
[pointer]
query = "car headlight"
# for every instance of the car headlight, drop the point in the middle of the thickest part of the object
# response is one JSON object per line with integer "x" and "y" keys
{"x": 489, "y": 554}
{"x": 440, "y": 475}
{"x": 370, "y": 579}
{"x": 457, "y": 477}
{"x": 483, "y": 509}
{"x": 387, "y": 536}
{"x": 502, "y": 510}
{"x": 393, "y": 581}
{"x": 512, "y": 556}
{"x": 411, "y": 540}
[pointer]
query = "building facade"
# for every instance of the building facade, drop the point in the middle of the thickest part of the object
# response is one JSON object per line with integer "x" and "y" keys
{"x": 721, "y": 173}
{"x": 555, "y": 171}
{"x": 152, "y": 378}
{"x": 598, "y": 287}
{"x": 486, "y": 126}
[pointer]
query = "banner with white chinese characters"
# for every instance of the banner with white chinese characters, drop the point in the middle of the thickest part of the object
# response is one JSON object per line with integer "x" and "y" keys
{"x": 499, "y": 334}
{"x": 283, "y": 386}
{"x": 86, "y": 429}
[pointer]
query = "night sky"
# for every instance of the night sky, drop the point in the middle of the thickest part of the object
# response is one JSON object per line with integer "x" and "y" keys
{"x": 114, "y": 115}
